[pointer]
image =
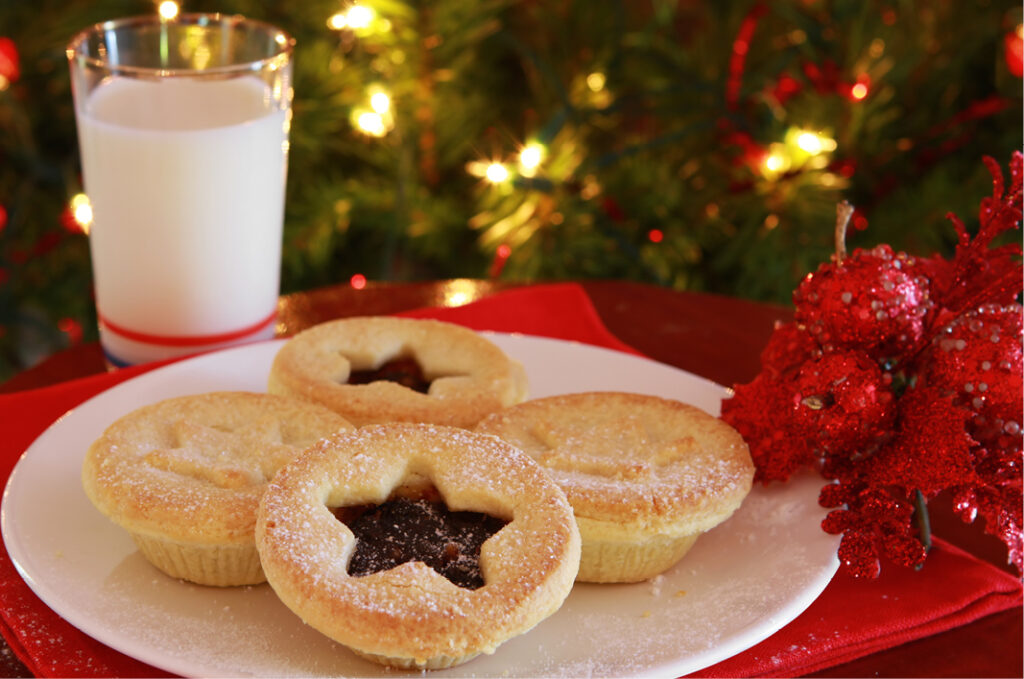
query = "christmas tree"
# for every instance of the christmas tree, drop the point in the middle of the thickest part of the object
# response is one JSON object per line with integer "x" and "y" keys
{"x": 693, "y": 144}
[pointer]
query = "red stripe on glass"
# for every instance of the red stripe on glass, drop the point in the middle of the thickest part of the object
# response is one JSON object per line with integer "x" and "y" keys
{"x": 186, "y": 340}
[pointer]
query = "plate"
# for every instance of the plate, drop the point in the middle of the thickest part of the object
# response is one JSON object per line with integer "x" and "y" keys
{"x": 741, "y": 582}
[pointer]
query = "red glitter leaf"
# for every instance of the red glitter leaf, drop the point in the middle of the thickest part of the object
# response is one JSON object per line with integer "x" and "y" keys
{"x": 980, "y": 274}
{"x": 931, "y": 449}
{"x": 760, "y": 412}
{"x": 858, "y": 555}
{"x": 905, "y": 550}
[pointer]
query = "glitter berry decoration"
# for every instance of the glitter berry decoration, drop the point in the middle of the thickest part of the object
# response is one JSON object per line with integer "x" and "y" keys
{"x": 900, "y": 378}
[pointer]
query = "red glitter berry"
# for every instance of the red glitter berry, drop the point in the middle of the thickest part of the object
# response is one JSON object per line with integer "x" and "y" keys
{"x": 789, "y": 347}
{"x": 869, "y": 300}
{"x": 978, "y": 358}
{"x": 842, "y": 403}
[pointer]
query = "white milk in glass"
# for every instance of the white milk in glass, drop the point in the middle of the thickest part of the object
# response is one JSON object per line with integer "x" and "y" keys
{"x": 184, "y": 176}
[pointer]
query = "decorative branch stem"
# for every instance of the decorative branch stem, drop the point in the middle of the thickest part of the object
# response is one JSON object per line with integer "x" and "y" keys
{"x": 924, "y": 524}
{"x": 844, "y": 211}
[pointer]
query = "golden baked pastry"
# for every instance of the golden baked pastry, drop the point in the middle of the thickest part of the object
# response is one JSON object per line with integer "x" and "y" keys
{"x": 645, "y": 475}
{"x": 464, "y": 375}
{"x": 184, "y": 477}
{"x": 409, "y": 615}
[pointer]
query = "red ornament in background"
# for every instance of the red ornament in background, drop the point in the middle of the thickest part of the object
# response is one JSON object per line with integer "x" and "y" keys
{"x": 10, "y": 69}
{"x": 72, "y": 329}
{"x": 501, "y": 255}
{"x": 1014, "y": 43}
{"x": 900, "y": 378}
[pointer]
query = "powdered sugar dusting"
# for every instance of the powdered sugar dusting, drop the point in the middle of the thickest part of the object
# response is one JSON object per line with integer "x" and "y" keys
{"x": 765, "y": 563}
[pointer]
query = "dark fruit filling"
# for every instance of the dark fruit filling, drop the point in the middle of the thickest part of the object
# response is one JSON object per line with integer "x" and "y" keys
{"x": 404, "y": 529}
{"x": 404, "y": 371}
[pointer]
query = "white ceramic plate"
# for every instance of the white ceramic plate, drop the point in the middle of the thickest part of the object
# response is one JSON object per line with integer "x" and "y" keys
{"x": 741, "y": 582}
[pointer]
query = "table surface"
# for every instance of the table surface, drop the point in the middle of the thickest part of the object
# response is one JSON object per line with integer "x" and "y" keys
{"x": 716, "y": 337}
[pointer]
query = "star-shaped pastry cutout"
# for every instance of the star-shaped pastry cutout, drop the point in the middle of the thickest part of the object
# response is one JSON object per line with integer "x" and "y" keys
{"x": 248, "y": 455}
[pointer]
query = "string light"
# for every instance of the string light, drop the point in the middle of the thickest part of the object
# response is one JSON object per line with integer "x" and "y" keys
{"x": 81, "y": 210}
{"x": 655, "y": 235}
{"x": 168, "y": 9}
{"x": 359, "y": 16}
{"x": 356, "y": 17}
{"x": 809, "y": 142}
{"x": 859, "y": 90}
{"x": 800, "y": 149}
{"x": 380, "y": 102}
{"x": 814, "y": 143}
{"x": 596, "y": 81}
{"x": 774, "y": 162}
{"x": 371, "y": 123}
{"x": 530, "y": 159}
{"x": 337, "y": 21}
{"x": 496, "y": 173}
{"x": 378, "y": 121}
{"x": 358, "y": 281}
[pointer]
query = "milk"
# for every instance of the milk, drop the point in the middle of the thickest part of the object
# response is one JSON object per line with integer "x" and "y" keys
{"x": 186, "y": 178}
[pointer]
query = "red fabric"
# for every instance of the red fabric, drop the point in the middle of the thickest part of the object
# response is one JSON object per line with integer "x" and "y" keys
{"x": 855, "y": 617}
{"x": 849, "y": 620}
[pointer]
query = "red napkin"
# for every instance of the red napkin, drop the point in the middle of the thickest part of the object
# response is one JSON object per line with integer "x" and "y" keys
{"x": 855, "y": 617}
{"x": 849, "y": 620}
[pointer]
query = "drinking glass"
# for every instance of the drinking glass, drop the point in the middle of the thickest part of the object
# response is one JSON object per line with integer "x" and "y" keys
{"x": 183, "y": 133}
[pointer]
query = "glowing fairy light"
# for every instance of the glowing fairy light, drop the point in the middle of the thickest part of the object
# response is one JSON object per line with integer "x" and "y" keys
{"x": 800, "y": 149}
{"x": 809, "y": 142}
{"x": 371, "y": 123}
{"x": 806, "y": 143}
{"x": 380, "y": 102}
{"x": 493, "y": 171}
{"x": 596, "y": 81}
{"x": 477, "y": 168}
{"x": 859, "y": 91}
{"x": 774, "y": 162}
{"x": 168, "y": 9}
{"x": 530, "y": 159}
{"x": 358, "y": 281}
{"x": 337, "y": 21}
{"x": 81, "y": 210}
{"x": 496, "y": 173}
{"x": 356, "y": 17}
{"x": 359, "y": 16}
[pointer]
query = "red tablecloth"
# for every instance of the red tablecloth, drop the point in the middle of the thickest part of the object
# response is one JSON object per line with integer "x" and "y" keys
{"x": 850, "y": 619}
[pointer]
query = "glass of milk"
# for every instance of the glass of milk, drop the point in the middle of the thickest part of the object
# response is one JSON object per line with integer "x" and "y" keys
{"x": 183, "y": 133}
